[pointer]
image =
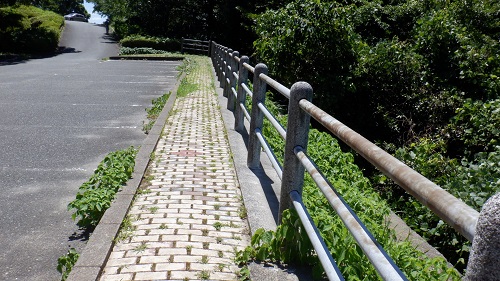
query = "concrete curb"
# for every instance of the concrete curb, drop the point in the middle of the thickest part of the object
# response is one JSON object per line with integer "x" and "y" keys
{"x": 100, "y": 244}
{"x": 146, "y": 58}
{"x": 261, "y": 189}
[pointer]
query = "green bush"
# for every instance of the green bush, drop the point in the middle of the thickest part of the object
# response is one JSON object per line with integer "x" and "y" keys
{"x": 27, "y": 29}
{"x": 476, "y": 126}
{"x": 157, "y": 43}
{"x": 124, "y": 51}
{"x": 311, "y": 41}
{"x": 95, "y": 195}
{"x": 66, "y": 262}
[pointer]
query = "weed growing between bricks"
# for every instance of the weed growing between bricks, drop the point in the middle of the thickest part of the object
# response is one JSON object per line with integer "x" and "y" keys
{"x": 154, "y": 111}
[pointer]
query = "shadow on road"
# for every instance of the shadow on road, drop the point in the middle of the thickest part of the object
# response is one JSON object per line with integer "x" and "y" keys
{"x": 13, "y": 59}
{"x": 109, "y": 39}
{"x": 82, "y": 234}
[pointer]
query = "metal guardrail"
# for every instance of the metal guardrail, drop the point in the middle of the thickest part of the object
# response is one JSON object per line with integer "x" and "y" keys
{"x": 233, "y": 70}
{"x": 195, "y": 46}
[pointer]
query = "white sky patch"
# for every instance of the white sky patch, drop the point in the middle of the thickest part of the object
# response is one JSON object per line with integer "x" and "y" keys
{"x": 94, "y": 17}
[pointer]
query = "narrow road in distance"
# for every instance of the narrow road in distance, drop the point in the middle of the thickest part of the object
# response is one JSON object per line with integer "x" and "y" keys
{"x": 59, "y": 117}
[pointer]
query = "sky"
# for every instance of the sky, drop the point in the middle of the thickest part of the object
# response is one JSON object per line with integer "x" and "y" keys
{"x": 94, "y": 17}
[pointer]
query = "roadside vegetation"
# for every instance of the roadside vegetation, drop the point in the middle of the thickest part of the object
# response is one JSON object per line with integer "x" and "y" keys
{"x": 56, "y": 6}
{"x": 30, "y": 27}
{"x": 154, "y": 111}
{"x": 139, "y": 45}
{"x": 29, "y": 30}
{"x": 94, "y": 197}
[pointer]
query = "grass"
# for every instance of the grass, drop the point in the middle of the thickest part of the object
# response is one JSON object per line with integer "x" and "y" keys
{"x": 186, "y": 87}
{"x": 140, "y": 248}
{"x": 153, "y": 112}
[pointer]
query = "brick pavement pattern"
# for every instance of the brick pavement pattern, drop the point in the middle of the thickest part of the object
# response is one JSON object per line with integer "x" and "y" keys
{"x": 186, "y": 222}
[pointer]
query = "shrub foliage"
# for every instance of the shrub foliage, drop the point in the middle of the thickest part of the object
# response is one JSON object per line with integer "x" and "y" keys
{"x": 157, "y": 43}
{"x": 95, "y": 195}
{"x": 27, "y": 29}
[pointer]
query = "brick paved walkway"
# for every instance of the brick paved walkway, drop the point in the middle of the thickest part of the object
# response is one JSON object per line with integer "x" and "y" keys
{"x": 186, "y": 223}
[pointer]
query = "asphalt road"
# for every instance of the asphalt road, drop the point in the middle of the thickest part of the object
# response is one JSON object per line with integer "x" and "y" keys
{"x": 59, "y": 117}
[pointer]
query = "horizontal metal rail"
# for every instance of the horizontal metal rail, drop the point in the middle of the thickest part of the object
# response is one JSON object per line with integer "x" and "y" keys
{"x": 245, "y": 112}
{"x": 270, "y": 154}
{"x": 273, "y": 120}
{"x": 233, "y": 90}
{"x": 450, "y": 209}
{"x": 276, "y": 85}
{"x": 382, "y": 262}
{"x": 247, "y": 90}
{"x": 249, "y": 67}
{"x": 329, "y": 265}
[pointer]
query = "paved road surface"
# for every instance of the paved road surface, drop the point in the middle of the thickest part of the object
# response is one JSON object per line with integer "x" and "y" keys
{"x": 59, "y": 117}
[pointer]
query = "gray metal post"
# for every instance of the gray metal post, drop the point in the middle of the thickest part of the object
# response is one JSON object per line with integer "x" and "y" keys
{"x": 239, "y": 118}
{"x": 232, "y": 80}
{"x": 484, "y": 260}
{"x": 256, "y": 116}
{"x": 296, "y": 135}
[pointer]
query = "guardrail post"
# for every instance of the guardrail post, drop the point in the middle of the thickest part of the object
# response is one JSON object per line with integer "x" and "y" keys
{"x": 227, "y": 61}
{"x": 219, "y": 63}
{"x": 213, "y": 56}
{"x": 232, "y": 80}
{"x": 222, "y": 66}
{"x": 239, "y": 118}
{"x": 257, "y": 117}
{"x": 484, "y": 258}
{"x": 296, "y": 135}
{"x": 217, "y": 60}
{"x": 182, "y": 46}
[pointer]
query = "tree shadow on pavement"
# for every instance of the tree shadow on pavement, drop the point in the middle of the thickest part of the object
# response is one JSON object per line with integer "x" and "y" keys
{"x": 82, "y": 234}
{"x": 13, "y": 59}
